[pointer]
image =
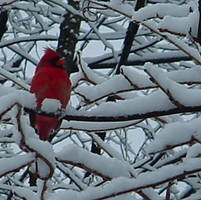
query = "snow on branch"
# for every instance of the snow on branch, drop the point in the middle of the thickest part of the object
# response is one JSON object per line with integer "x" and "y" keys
{"x": 125, "y": 110}
{"x": 106, "y": 147}
{"x": 177, "y": 93}
{"x": 140, "y": 93}
{"x": 88, "y": 74}
{"x": 125, "y": 185}
{"x": 14, "y": 79}
{"x": 21, "y": 192}
{"x": 7, "y": 3}
{"x": 37, "y": 8}
{"x": 132, "y": 79}
{"x": 94, "y": 163}
{"x": 5, "y": 43}
{"x": 10, "y": 165}
{"x": 30, "y": 142}
{"x": 153, "y": 26}
{"x": 16, "y": 97}
{"x": 93, "y": 126}
{"x": 176, "y": 134}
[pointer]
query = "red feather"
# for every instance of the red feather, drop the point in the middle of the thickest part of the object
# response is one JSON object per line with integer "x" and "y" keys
{"x": 50, "y": 81}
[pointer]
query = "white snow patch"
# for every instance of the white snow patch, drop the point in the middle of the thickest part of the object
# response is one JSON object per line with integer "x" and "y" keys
{"x": 75, "y": 154}
{"x": 50, "y": 105}
{"x": 12, "y": 164}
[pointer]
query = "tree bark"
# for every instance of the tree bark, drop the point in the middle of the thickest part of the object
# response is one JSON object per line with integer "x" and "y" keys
{"x": 69, "y": 31}
{"x": 3, "y": 22}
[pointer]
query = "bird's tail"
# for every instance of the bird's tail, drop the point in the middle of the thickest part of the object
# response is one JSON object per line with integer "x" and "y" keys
{"x": 45, "y": 125}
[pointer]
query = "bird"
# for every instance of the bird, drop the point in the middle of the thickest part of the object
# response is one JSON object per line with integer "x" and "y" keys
{"x": 50, "y": 81}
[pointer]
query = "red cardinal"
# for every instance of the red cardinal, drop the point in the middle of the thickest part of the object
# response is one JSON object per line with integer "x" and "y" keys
{"x": 50, "y": 81}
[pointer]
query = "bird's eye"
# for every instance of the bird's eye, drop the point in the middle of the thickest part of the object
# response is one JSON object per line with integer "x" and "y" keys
{"x": 60, "y": 62}
{"x": 57, "y": 62}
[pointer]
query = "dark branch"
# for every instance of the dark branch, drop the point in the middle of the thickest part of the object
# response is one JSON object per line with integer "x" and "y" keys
{"x": 69, "y": 30}
{"x": 141, "y": 61}
{"x": 199, "y": 25}
{"x": 130, "y": 35}
{"x": 3, "y": 22}
{"x": 119, "y": 118}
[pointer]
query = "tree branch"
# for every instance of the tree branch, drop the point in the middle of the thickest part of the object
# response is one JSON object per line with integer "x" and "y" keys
{"x": 120, "y": 118}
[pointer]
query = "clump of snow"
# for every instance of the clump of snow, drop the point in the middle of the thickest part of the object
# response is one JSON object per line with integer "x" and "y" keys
{"x": 6, "y": 90}
{"x": 26, "y": 99}
{"x": 50, "y": 105}
{"x": 75, "y": 78}
{"x": 123, "y": 7}
{"x": 123, "y": 184}
{"x": 194, "y": 21}
{"x": 94, "y": 126}
{"x": 136, "y": 77}
{"x": 111, "y": 151}
{"x": 177, "y": 91}
{"x": 175, "y": 134}
{"x": 127, "y": 107}
{"x": 9, "y": 165}
{"x": 194, "y": 151}
{"x": 92, "y": 75}
{"x": 42, "y": 148}
{"x": 187, "y": 75}
{"x": 43, "y": 168}
{"x": 161, "y": 10}
{"x": 97, "y": 163}
{"x": 111, "y": 86}
{"x": 182, "y": 25}
{"x": 23, "y": 98}
{"x": 25, "y": 193}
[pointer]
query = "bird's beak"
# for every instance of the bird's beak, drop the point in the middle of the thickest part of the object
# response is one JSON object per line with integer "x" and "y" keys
{"x": 60, "y": 62}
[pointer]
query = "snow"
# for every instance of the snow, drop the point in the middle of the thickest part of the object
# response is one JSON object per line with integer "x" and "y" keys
{"x": 176, "y": 25}
{"x": 181, "y": 25}
{"x": 96, "y": 163}
{"x": 188, "y": 75}
{"x": 107, "y": 148}
{"x": 37, "y": 8}
{"x": 143, "y": 58}
{"x": 94, "y": 126}
{"x": 161, "y": 10}
{"x": 21, "y": 97}
{"x": 175, "y": 134}
{"x": 127, "y": 107}
{"x": 43, "y": 169}
{"x": 13, "y": 78}
{"x": 43, "y": 149}
{"x": 116, "y": 84}
{"x": 174, "y": 90}
{"x": 174, "y": 155}
{"x": 5, "y": 90}
{"x": 88, "y": 73}
{"x": 131, "y": 79}
{"x": 123, "y": 184}
{"x": 140, "y": 97}
{"x": 9, "y": 165}
{"x": 192, "y": 52}
{"x": 50, "y": 105}
{"x": 75, "y": 78}
{"x": 137, "y": 78}
{"x": 25, "y": 193}
{"x": 122, "y": 7}
{"x": 194, "y": 196}
{"x": 194, "y": 151}
{"x": 5, "y": 43}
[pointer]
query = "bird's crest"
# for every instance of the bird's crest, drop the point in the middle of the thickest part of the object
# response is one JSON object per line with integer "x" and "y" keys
{"x": 50, "y": 54}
